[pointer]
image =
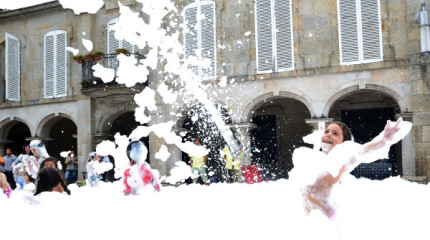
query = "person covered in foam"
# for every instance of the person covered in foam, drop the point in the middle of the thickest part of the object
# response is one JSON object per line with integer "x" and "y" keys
{"x": 31, "y": 163}
{"x": 95, "y": 167}
{"x": 139, "y": 176}
{"x": 319, "y": 171}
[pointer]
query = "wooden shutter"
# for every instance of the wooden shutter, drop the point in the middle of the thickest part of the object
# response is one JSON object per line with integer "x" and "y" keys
{"x": 348, "y": 32}
{"x": 49, "y": 65}
{"x": 191, "y": 36}
{"x": 284, "y": 36}
{"x": 264, "y": 30}
{"x": 12, "y": 68}
{"x": 371, "y": 30}
{"x": 112, "y": 45}
{"x": 207, "y": 28}
{"x": 61, "y": 64}
{"x": 55, "y": 64}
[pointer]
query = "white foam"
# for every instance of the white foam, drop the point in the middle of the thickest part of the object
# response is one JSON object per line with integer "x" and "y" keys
{"x": 88, "y": 44}
{"x": 163, "y": 154}
{"x": 106, "y": 74}
{"x": 82, "y": 6}
{"x": 73, "y": 50}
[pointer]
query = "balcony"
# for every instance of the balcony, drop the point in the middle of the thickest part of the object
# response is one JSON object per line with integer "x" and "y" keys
{"x": 94, "y": 86}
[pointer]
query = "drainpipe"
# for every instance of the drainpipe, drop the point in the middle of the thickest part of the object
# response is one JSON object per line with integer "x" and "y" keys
{"x": 423, "y": 19}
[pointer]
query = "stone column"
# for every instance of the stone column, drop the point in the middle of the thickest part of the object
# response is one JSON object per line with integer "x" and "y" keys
{"x": 242, "y": 131}
{"x": 408, "y": 159}
{"x": 84, "y": 134}
{"x": 313, "y": 122}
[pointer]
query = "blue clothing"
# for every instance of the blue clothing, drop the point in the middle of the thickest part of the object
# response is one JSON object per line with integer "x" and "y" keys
{"x": 8, "y": 161}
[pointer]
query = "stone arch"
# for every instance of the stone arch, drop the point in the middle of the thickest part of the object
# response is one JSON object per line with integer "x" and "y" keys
{"x": 14, "y": 133}
{"x": 47, "y": 122}
{"x": 280, "y": 122}
{"x": 108, "y": 116}
{"x": 260, "y": 100}
{"x": 369, "y": 87}
{"x": 7, "y": 123}
{"x": 365, "y": 111}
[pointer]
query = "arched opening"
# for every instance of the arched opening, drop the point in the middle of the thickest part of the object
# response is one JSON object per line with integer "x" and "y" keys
{"x": 280, "y": 129}
{"x": 62, "y": 135}
{"x": 16, "y": 137}
{"x": 366, "y": 112}
{"x": 124, "y": 124}
{"x": 199, "y": 124}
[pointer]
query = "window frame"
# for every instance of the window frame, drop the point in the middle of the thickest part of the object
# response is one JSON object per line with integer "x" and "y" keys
{"x": 275, "y": 68}
{"x": 360, "y": 47}
{"x": 198, "y": 5}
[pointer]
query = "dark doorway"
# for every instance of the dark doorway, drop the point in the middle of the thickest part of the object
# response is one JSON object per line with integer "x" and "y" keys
{"x": 17, "y": 135}
{"x": 263, "y": 140}
{"x": 264, "y": 148}
{"x": 281, "y": 126}
{"x": 124, "y": 125}
{"x": 63, "y": 135}
{"x": 365, "y": 125}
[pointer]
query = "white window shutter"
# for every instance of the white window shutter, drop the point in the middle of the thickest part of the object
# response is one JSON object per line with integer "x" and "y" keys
{"x": 371, "y": 30}
{"x": 264, "y": 31}
{"x": 348, "y": 32}
{"x": 61, "y": 64}
{"x": 191, "y": 37}
{"x": 127, "y": 45}
{"x": 113, "y": 44}
{"x": 208, "y": 50}
{"x": 49, "y": 65}
{"x": 284, "y": 36}
{"x": 12, "y": 68}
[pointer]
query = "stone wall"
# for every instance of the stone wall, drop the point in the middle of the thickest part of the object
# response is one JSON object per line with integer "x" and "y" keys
{"x": 318, "y": 79}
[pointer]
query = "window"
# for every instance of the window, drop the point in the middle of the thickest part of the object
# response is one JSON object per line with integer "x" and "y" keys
{"x": 55, "y": 64}
{"x": 199, "y": 39}
{"x": 274, "y": 31}
{"x": 360, "y": 38}
{"x": 113, "y": 44}
{"x": 12, "y": 68}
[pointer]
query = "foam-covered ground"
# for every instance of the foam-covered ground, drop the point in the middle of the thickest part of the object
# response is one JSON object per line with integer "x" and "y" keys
{"x": 389, "y": 209}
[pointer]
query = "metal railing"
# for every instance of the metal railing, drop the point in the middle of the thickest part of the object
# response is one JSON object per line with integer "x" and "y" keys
{"x": 108, "y": 61}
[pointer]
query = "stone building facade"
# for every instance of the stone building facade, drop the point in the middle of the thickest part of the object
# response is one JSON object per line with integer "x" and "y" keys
{"x": 309, "y": 80}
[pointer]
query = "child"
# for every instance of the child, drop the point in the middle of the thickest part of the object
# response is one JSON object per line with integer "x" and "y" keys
{"x": 139, "y": 175}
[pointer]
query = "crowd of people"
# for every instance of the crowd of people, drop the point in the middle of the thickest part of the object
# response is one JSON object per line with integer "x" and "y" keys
{"x": 36, "y": 172}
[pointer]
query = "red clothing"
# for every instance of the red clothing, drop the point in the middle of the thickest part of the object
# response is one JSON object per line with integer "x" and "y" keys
{"x": 147, "y": 178}
{"x": 251, "y": 174}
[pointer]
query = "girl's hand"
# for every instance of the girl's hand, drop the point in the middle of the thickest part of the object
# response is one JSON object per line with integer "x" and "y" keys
{"x": 391, "y": 129}
{"x": 396, "y": 131}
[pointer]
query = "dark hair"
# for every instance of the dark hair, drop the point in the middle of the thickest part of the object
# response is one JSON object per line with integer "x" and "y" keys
{"x": 130, "y": 145}
{"x": 347, "y": 134}
{"x": 49, "y": 178}
{"x": 24, "y": 146}
{"x": 52, "y": 159}
{"x": 9, "y": 149}
{"x": 30, "y": 178}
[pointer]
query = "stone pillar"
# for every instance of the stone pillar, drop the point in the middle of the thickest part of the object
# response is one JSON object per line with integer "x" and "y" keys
{"x": 84, "y": 134}
{"x": 408, "y": 159}
{"x": 313, "y": 122}
{"x": 242, "y": 131}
